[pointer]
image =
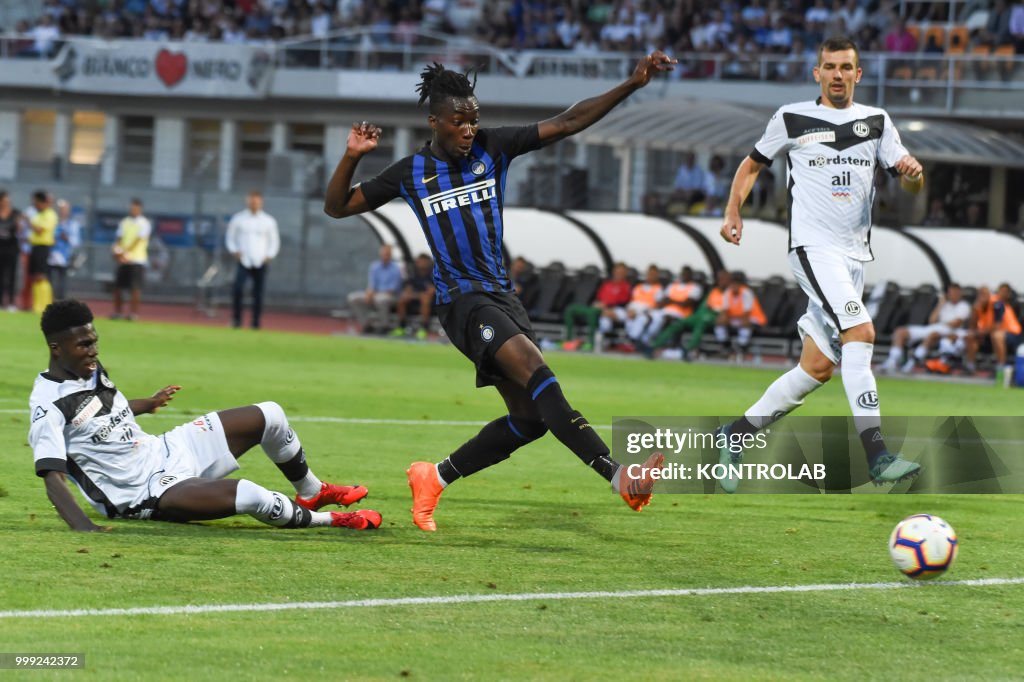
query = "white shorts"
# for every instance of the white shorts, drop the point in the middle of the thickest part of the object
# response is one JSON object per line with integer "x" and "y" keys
{"x": 920, "y": 332}
{"x": 834, "y": 284}
{"x": 197, "y": 449}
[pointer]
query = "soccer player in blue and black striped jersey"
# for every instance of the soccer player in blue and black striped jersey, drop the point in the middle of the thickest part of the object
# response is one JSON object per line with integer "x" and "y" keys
{"x": 455, "y": 185}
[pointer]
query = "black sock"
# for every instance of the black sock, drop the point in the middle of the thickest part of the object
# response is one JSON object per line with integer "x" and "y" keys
{"x": 495, "y": 443}
{"x": 296, "y": 468}
{"x": 301, "y": 518}
{"x": 742, "y": 426}
{"x": 874, "y": 444}
{"x": 568, "y": 425}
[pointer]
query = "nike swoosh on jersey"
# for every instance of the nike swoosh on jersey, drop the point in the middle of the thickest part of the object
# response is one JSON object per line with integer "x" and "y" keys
{"x": 426, "y": 180}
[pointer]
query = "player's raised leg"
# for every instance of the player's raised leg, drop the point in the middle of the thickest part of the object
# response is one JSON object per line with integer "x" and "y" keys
{"x": 267, "y": 425}
{"x": 200, "y": 499}
{"x": 523, "y": 363}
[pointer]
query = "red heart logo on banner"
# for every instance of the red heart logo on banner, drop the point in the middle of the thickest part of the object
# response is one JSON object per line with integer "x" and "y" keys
{"x": 170, "y": 67}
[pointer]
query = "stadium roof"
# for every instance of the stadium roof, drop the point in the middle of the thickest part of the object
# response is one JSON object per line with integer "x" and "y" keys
{"x": 701, "y": 125}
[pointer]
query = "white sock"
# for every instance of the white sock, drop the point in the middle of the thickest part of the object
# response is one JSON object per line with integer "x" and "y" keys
{"x": 274, "y": 509}
{"x": 604, "y": 325}
{"x": 784, "y": 395}
{"x": 743, "y": 336}
{"x": 859, "y": 382}
{"x": 283, "y": 448}
{"x": 921, "y": 352}
{"x": 721, "y": 333}
{"x": 895, "y": 356}
{"x": 947, "y": 346}
{"x": 444, "y": 483}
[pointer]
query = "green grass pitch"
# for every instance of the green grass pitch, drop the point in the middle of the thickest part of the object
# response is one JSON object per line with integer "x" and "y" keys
{"x": 540, "y": 522}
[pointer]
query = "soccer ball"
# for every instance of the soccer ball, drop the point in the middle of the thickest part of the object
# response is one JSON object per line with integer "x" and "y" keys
{"x": 923, "y": 546}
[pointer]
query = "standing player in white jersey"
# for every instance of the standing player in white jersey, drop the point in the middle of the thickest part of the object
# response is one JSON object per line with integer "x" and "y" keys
{"x": 84, "y": 428}
{"x": 833, "y": 147}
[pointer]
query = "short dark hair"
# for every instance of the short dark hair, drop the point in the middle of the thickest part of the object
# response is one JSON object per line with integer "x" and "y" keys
{"x": 137, "y": 201}
{"x": 837, "y": 43}
{"x": 62, "y": 315}
{"x": 437, "y": 84}
{"x": 40, "y": 195}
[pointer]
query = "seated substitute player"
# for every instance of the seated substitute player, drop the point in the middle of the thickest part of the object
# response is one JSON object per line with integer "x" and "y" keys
{"x": 949, "y": 319}
{"x": 84, "y": 428}
{"x": 741, "y": 312}
{"x": 455, "y": 185}
{"x": 417, "y": 297}
{"x": 832, "y": 148}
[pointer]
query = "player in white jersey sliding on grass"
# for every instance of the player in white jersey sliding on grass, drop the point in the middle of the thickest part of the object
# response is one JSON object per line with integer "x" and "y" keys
{"x": 832, "y": 148}
{"x": 84, "y": 428}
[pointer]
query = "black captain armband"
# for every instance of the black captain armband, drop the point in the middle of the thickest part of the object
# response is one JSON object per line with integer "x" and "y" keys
{"x": 760, "y": 158}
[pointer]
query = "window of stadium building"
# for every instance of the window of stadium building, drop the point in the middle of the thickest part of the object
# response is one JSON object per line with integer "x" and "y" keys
{"x": 253, "y": 149}
{"x": 87, "y": 137}
{"x": 37, "y": 135}
{"x": 307, "y": 137}
{"x": 136, "y": 147}
{"x": 204, "y": 139}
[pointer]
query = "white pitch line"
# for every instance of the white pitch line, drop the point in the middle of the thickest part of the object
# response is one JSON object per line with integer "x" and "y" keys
{"x": 483, "y": 598}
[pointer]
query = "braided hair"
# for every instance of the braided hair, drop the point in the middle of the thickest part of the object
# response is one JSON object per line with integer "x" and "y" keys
{"x": 438, "y": 84}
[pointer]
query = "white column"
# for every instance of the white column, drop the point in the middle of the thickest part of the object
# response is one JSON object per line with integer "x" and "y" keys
{"x": 10, "y": 126}
{"x": 280, "y": 138}
{"x": 61, "y": 141}
{"x": 335, "y": 141}
{"x": 169, "y": 148}
{"x": 625, "y": 175}
{"x": 403, "y": 143}
{"x": 638, "y": 182}
{"x": 111, "y": 149}
{"x": 228, "y": 155}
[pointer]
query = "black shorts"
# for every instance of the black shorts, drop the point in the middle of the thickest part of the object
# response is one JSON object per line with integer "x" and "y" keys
{"x": 130, "y": 276}
{"x": 479, "y": 323}
{"x": 37, "y": 264}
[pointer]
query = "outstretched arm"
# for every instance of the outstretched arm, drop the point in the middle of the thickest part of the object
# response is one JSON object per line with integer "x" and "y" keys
{"x": 742, "y": 183}
{"x": 154, "y": 403}
{"x": 341, "y": 199}
{"x": 64, "y": 502}
{"x": 589, "y": 111}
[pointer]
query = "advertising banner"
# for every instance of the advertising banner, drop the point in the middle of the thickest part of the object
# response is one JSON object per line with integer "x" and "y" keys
{"x": 177, "y": 69}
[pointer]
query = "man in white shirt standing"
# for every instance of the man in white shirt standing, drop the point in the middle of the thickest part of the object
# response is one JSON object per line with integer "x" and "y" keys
{"x": 832, "y": 147}
{"x": 253, "y": 240}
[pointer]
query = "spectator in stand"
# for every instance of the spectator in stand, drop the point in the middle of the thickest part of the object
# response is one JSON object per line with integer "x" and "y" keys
{"x": 816, "y": 18}
{"x": 372, "y": 307}
{"x": 253, "y": 239}
{"x": 974, "y": 216}
{"x": 10, "y": 250}
{"x": 1016, "y": 26}
{"x": 417, "y": 297}
{"x": 853, "y": 15}
{"x": 937, "y": 216}
{"x": 741, "y": 312}
{"x": 66, "y": 242}
{"x": 45, "y": 35}
{"x": 522, "y": 274}
{"x": 688, "y": 187}
{"x": 716, "y": 187}
{"x": 899, "y": 39}
{"x": 951, "y": 314}
{"x": 613, "y": 293}
{"x": 997, "y": 28}
{"x": 131, "y": 251}
{"x": 995, "y": 320}
{"x": 677, "y": 304}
